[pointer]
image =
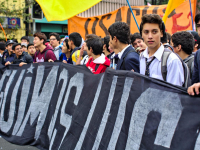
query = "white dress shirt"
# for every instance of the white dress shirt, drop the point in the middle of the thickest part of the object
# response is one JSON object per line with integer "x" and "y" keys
{"x": 175, "y": 72}
{"x": 121, "y": 53}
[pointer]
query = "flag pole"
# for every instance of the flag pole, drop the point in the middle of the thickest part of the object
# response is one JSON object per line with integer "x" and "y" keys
{"x": 191, "y": 15}
{"x": 133, "y": 15}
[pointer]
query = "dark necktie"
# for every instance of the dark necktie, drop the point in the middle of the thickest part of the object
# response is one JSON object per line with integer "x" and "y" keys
{"x": 147, "y": 66}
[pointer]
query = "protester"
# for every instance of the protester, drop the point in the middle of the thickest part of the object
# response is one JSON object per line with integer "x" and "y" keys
{"x": 66, "y": 52}
{"x": 98, "y": 61}
{"x": 119, "y": 40}
{"x": 54, "y": 41}
{"x": 165, "y": 41}
{"x": 197, "y": 40}
{"x": 2, "y": 49}
{"x": 74, "y": 42}
{"x": 25, "y": 40}
{"x": 151, "y": 29}
{"x": 31, "y": 50}
{"x": 83, "y": 60}
{"x": 24, "y": 47}
{"x": 183, "y": 45}
{"x": 106, "y": 50}
{"x": 138, "y": 42}
{"x": 197, "y": 21}
{"x": 21, "y": 57}
{"x": 8, "y": 54}
{"x": 44, "y": 53}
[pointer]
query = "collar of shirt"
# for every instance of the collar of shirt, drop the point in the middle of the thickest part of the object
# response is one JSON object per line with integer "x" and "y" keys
{"x": 121, "y": 53}
{"x": 56, "y": 48}
{"x": 157, "y": 54}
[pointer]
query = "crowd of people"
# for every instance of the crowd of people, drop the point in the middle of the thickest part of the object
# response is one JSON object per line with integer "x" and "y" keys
{"x": 152, "y": 52}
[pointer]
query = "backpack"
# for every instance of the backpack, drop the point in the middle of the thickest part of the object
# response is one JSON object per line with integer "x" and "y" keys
{"x": 164, "y": 58}
{"x": 190, "y": 63}
{"x": 44, "y": 53}
{"x": 167, "y": 45}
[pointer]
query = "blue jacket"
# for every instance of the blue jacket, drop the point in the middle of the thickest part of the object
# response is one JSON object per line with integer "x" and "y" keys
{"x": 196, "y": 71}
{"x": 129, "y": 62}
{"x": 6, "y": 57}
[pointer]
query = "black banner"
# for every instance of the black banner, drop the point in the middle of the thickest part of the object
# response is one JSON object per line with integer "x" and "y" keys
{"x": 60, "y": 106}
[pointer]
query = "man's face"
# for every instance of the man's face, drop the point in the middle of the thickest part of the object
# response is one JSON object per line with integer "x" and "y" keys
{"x": 176, "y": 48}
{"x": 139, "y": 43}
{"x": 198, "y": 28}
{"x": 24, "y": 41}
{"x": 24, "y": 49}
{"x": 113, "y": 44}
{"x": 37, "y": 42}
{"x": 9, "y": 48}
{"x": 18, "y": 50}
{"x": 31, "y": 50}
{"x": 151, "y": 34}
{"x": 53, "y": 41}
{"x": 87, "y": 49}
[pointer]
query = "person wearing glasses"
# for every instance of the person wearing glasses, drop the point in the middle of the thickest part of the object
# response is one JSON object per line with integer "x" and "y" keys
{"x": 21, "y": 57}
{"x": 54, "y": 42}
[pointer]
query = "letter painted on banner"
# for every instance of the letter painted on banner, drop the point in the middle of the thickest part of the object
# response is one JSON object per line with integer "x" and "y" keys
{"x": 63, "y": 76}
{"x": 6, "y": 125}
{"x": 168, "y": 104}
{"x": 66, "y": 119}
{"x": 40, "y": 101}
{"x": 82, "y": 137}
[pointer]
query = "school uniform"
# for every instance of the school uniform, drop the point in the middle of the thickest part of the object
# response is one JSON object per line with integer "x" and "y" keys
{"x": 175, "y": 72}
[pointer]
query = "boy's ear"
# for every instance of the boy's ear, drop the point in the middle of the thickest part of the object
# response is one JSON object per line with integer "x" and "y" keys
{"x": 91, "y": 50}
{"x": 115, "y": 38}
{"x": 104, "y": 46}
{"x": 179, "y": 47}
{"x": 161, "y": 33}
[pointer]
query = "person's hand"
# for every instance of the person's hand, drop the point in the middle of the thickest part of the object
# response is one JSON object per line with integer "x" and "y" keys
{"x": 64, "y": 61}
{"x": 50, "y": 60}
{"x": 195, "y": 87}
{"x": 22, "y": 63}
{"x": 132, "y": 70}
{"x": 7, "y": 63}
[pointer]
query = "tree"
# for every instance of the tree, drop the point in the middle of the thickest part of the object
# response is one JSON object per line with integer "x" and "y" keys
{"x": 13, "y": 9}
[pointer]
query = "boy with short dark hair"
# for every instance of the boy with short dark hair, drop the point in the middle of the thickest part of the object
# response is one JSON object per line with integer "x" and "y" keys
{"x": 151, "y": 29}
{"x": 119, "y": 41}
{"x": 98, "y": 62}
{"x": 25, "y": 40}
{"x": 45, "y": 53}
{"x": 8, "y": 54}
{"x": 183, "y": 44}
{"x": 138, "y": 42}
{"x": 21, "y": 57}
{"x": 54, "y": 41}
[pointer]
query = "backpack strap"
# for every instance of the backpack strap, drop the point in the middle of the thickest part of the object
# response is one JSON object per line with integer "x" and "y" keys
{"x": 190, "y": 63}
{"x": 123, "y": 64}
{"x": 164, "y": 59}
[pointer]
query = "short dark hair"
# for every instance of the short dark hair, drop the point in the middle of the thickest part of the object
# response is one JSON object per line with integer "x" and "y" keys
{"x": 136, "y": 36}
{"x": 121, "y": 30}
{"x": 66, "y": 41}
{"x": 96, "y": 45}
{"x": 152, "y": 18}
{"x": 106, "y": 41}
{"x": 76, "y": 38}
{"x": 25, "y": 38}
{"x": 2, "y": 46}
{"x": 56, "y": 35}
{"x": 41, "y": 36}
{"x": 91, "y": 36}
{"x": 185, "y": 39}
{"x": 197, "y": 18}
{"x": 30, "y": 44}
{"x": 14, "y": 45}
{"x": 169, "y": 37}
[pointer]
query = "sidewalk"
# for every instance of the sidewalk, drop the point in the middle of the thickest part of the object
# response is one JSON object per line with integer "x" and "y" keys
{"x": 4, "y": 145}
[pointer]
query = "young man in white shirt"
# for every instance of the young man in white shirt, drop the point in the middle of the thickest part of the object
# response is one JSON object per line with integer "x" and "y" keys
{"x": 152, "y": 29}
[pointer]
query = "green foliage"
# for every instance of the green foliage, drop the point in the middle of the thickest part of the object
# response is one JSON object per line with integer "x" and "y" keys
{"x": 156, "y": 2}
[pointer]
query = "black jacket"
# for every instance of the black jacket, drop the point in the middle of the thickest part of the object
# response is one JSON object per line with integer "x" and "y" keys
{"x": 6, "y": 57}
{"x": 26, "y": 58}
